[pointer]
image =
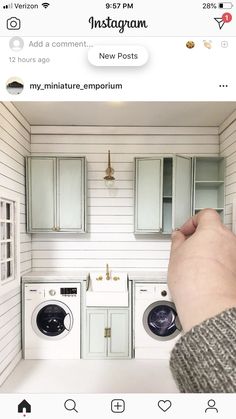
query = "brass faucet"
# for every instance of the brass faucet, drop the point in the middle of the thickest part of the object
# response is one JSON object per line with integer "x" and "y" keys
{"x": 107, "y": 272}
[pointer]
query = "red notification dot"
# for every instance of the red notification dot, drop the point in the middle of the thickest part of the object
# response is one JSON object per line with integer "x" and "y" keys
{"x": 227, "y": 17}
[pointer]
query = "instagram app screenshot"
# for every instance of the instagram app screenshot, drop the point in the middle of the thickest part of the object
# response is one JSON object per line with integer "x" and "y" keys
{"x": 117, "y": 209}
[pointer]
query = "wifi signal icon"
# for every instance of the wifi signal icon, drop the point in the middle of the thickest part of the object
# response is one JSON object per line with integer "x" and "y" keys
{"x": 45, "y": 5}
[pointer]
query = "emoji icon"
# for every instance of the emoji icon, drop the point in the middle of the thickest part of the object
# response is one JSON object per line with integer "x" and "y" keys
{"x": 190, "y": 44}
{"x": 207, "y": 44}
{"x": 224, "y": 44}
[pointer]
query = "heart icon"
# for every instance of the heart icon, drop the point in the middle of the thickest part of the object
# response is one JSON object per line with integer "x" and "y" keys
{"x": 164, "y": 405}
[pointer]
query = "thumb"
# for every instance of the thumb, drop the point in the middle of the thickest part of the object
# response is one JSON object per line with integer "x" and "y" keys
{"x": 177, "y": 238}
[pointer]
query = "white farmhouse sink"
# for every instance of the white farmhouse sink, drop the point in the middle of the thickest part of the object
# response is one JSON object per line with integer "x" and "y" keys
{"x": 111, "y": 292}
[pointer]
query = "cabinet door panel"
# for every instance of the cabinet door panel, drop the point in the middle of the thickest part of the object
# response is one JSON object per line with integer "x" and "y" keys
{"x": 71, "y": 194}
{"x": 96, "y": 343}
{"x": 148, "y": 199}
{"x": 42, "y": 194}
{"x": 182, "y": 207}
{"x": 118, "y": 343}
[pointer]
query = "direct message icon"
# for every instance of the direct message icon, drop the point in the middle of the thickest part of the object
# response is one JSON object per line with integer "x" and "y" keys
{"x": 164, "y": 405}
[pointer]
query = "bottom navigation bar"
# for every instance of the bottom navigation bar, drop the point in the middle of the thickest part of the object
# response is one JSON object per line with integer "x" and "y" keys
{"x": 104, "y": 406}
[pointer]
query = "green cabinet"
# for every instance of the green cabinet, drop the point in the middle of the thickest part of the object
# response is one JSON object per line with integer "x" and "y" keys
{"x": 182, "y": 190}
{"x": 56, "y": 194}
{"x": 148, "y": 194}
{"x": 96, "y": 331}
{"x": 107, "y": 333}
{"x": 209, "y": 183}
{"x": 163, "y": 193}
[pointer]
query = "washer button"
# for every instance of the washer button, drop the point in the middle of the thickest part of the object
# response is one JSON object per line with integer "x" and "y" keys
{"x": 52, "y": 292}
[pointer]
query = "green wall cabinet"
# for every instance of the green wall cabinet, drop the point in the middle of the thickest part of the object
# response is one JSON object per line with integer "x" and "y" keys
{"x": 56, "y": 194}
{"x": 209, "y": 183}
{"x": 163, "y": 193}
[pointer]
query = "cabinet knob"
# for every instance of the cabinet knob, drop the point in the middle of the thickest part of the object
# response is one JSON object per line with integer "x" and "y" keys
{"x": 56, "y": 229}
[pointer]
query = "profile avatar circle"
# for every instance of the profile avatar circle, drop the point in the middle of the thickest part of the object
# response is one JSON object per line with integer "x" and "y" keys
{"x": 16, "y": 43}
{"x": 14, "y": 85}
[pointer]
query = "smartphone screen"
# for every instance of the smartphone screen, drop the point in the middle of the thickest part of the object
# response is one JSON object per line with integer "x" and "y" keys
{"x": 117, "y": 209}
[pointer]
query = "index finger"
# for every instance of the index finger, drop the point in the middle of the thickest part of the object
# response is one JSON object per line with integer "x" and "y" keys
{"x": 205, "y": 218}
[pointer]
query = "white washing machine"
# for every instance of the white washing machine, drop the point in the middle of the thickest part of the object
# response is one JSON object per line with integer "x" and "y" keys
{"x": 51, "y": 320}
{"x": 157, "y": 326}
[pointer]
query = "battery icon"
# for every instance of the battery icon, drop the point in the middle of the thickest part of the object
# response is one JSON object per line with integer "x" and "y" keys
{"x": 225, "y": 5}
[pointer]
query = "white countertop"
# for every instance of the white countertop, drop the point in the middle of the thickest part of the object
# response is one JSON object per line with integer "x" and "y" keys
{"x": 145, "y": 276}
{"x": 62, "y": 276}
{"x": 55, "y": 276}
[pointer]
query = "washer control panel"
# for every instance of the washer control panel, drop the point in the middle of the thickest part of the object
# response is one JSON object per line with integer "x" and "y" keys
{"x": 68, "y": 292}
{"x": 42, "y": 291}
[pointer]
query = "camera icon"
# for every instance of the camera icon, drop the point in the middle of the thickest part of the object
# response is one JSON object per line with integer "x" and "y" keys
{"x": 13, "y": 24}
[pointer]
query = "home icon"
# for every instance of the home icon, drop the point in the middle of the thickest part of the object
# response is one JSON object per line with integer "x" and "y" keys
{"x": 24, "y": 407}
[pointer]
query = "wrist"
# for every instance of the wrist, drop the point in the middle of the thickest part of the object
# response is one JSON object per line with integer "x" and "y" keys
{"x": 193, "y": 313}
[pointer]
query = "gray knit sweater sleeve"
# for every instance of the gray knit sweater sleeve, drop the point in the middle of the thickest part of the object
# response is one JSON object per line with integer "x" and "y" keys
{"x": 204, "y": 359}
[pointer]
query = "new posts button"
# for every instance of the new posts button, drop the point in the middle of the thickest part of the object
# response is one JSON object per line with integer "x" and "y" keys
{"x": 118, "y": 56}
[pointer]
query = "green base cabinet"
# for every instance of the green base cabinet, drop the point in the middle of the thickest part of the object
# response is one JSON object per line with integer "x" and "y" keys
{"x": 107, "y": 333}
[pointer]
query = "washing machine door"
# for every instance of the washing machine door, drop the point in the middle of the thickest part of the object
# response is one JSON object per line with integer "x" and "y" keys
{"x": 160, "y": 320}
{"x": 52, "y": 320}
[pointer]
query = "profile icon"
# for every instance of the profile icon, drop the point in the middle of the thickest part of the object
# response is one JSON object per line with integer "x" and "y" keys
{"x": 14, "y": 85}
{"x": 16, "y": 43}
{"x": 211, "y": 406}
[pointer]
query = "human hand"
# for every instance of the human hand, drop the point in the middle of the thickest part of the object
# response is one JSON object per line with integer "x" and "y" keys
{"x": 202, "y": 268}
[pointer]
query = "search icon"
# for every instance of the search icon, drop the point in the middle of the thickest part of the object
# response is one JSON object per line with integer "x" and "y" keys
{"x": 70, "y": 405}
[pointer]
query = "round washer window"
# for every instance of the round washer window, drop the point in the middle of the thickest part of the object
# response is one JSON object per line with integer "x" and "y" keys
{"x": 52, "y": 320}
{"x": 161, "y": 321}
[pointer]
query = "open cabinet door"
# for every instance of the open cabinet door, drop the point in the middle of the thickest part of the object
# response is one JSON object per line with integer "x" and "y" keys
{"x": 148, "y": 195}
{"x": 182, "y": 193}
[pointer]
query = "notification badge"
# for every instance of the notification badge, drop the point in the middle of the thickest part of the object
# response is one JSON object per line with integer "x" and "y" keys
{"x": 225, "y": 18}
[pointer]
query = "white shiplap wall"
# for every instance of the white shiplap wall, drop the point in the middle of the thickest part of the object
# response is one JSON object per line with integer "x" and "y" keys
{"x": 228, "y": 150}
{"x": 14, "y": 146}
{"x": 110, "y": 237}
